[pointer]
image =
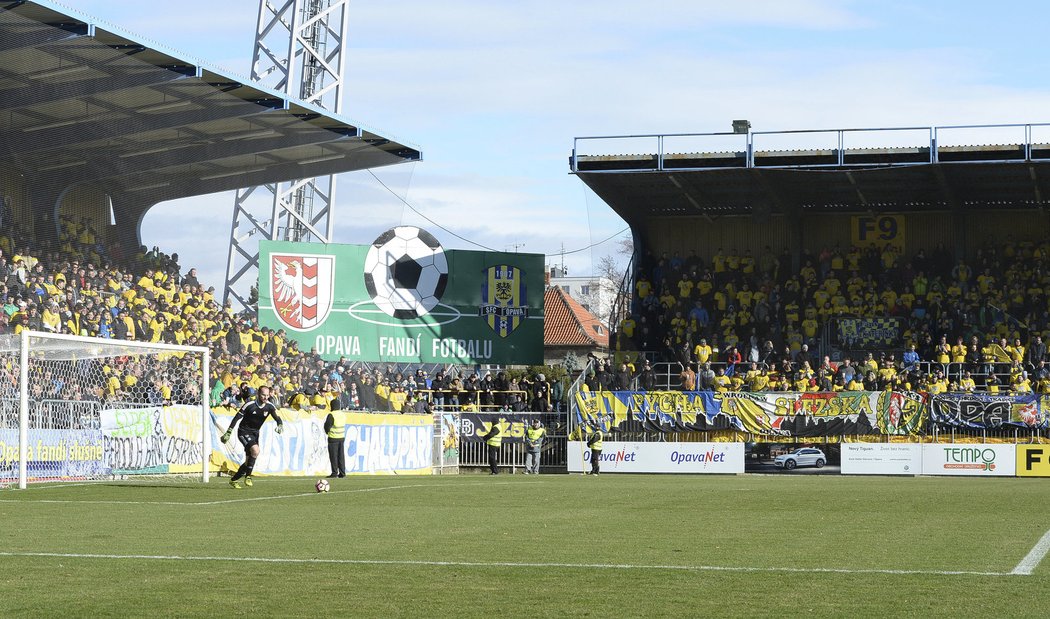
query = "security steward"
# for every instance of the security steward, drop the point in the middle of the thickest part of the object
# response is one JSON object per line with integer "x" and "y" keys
{"x": 534, "y": 436}
{"x": 335, "y": 428}
{"x": 594, "y": 441}
{"x": 494, "y": 439}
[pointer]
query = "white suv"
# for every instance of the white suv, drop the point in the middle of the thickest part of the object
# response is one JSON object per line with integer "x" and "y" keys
{"x": 806, "y": 456}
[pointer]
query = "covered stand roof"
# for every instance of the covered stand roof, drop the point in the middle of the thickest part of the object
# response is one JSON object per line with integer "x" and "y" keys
{"x": 86, "y": 105}
{"x": 792, "y": 182}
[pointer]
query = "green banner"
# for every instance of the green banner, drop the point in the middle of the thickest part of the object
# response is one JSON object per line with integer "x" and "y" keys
{"x": 404, "y": 299}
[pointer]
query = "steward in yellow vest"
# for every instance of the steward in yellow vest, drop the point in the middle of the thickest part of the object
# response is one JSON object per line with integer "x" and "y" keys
{"x": 335, "y": 428}
{"x": 594, "y": 441}
{"x": 534, "y": 436}
{"x": 494, "y": 439}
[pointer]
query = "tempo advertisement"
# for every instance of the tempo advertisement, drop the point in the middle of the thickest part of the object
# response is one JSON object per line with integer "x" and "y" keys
{"x": 881, "y": 459}
{"x": 977, "y": 459}
{"x": 624, "y": 457}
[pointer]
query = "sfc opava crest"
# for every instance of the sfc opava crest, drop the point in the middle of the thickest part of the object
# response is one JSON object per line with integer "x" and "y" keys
{"x": 504, "y": 298}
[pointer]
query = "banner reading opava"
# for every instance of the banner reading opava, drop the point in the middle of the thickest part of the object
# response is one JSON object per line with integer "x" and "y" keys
{"x": 769, "y": 414}
{"x": 971, "y": 410}
{"x": 54, "y": 453}
{"x": 375, "y": 444}
{"x": 404, "y": 299}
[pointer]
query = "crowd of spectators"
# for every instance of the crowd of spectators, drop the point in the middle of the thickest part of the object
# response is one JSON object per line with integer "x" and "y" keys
{"x": 744, "y": 322}
{"x": 76, "y": 284}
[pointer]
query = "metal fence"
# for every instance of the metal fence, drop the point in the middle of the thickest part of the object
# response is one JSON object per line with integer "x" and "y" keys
{"x": 52, "y": 414}
{"x": 454, "y": 449}
{"x": 838, "y": 148}
{"x": 667, "y": 373}
{"x": 475, "y": 454}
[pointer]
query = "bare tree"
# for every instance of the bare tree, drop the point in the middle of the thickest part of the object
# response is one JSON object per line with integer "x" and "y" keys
{"x": 610, "y": 273}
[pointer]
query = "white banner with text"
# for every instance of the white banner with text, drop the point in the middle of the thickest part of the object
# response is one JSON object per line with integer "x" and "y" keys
{"x": 881, "y": 459}
{"x": 630, "y": 457}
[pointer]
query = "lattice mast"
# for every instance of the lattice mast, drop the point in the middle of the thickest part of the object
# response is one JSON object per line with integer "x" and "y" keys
{"x": 300, "y": 47}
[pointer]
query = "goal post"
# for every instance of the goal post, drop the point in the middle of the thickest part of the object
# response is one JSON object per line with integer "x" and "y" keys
{"x": 76, "y": 408}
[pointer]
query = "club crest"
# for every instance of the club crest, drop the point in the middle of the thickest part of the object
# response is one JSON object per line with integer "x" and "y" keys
{"x": 301, "y": 288}
{"x": 504, "y": 303}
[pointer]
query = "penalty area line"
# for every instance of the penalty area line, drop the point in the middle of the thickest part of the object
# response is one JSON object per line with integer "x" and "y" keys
{"x": 501, "y": 564}
{"x": 1034, "y": 556}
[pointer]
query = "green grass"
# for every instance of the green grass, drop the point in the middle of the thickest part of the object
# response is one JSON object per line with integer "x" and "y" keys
{"x": 807, "y": 522}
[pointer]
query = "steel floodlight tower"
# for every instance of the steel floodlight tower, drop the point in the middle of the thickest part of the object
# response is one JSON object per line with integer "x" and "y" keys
{"x": 300, "y": 46}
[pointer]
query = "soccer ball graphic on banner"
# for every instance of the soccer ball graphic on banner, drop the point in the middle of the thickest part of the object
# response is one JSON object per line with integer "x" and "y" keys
{"x": 406, "y": 272}
{"x": 322, "y": 485}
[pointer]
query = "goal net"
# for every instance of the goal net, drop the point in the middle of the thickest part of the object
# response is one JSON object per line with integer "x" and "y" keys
{"x": 79, "y": 409}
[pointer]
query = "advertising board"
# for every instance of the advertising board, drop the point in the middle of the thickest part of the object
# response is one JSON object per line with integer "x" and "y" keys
{"x": 881, "y": 459}
{"x": 977, "y": 459}
{"x": 1033, "y": 460}
{"x": 631, "y": 457}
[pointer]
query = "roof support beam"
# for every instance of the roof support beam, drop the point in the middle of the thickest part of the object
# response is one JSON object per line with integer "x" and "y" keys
{"x": 69, "y": 137}
{"x": 155, "y": 164}
{"x": 40, "y": 94}
{"x": 856, "y": 187}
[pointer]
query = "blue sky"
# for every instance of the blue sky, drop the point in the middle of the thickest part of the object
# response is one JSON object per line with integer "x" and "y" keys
{"x": 495, "y": 92}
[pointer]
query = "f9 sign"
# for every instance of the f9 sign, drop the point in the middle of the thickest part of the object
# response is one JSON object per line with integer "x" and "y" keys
{"x": 878, "y": 230}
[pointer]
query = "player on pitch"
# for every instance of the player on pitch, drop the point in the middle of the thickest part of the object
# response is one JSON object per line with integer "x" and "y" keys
{"x": 252, "y": 416}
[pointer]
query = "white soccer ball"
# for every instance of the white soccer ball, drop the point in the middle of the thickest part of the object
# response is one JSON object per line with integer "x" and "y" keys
{"x": 406, "y": 272}
{"x": 322, "y": 485}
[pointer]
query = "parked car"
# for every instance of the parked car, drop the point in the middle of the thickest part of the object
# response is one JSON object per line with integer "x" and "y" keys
{"x": 806, "y": 456}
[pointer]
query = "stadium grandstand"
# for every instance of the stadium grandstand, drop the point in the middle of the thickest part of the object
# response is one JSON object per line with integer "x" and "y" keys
{"x": 820, "y": 261}
{"x": 98, "y": 128}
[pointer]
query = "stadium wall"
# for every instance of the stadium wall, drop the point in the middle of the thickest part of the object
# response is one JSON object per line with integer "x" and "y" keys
{"x": 677, "y": 234}
{"x": 13, "y": 187}
{"x": 924, "y": 230}
{"x": 88, "y": 203}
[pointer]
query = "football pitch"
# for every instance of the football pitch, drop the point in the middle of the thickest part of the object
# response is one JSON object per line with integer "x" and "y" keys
{"x": 558, "y": 545}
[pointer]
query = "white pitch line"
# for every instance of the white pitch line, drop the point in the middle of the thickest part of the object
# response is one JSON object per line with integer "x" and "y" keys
{"x": 302, "y": 494}
{"x": 1034, "y": 556}
{"x": 260, "y": 498}
{"x": 93, "y": 502}
{"x": 505, "y": 564}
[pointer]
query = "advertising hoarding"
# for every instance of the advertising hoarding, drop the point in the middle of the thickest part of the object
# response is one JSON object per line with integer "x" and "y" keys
{"x": 976, "y": 459}
{"x": 632, "y": 457}
{"x": 881, "y": 459}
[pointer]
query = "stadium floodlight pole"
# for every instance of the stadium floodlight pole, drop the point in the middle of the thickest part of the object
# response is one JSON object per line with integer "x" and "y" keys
{"x": 300, "y": 47}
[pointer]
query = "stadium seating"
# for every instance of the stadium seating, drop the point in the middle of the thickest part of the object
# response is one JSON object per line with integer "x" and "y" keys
{"x": 76, "y": 285}
{"x": 977, "y": 325}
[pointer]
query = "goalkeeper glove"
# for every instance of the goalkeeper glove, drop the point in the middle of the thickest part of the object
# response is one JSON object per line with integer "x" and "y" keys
{"x": 280, "y": 428}
{"x": 226, "y": 437}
